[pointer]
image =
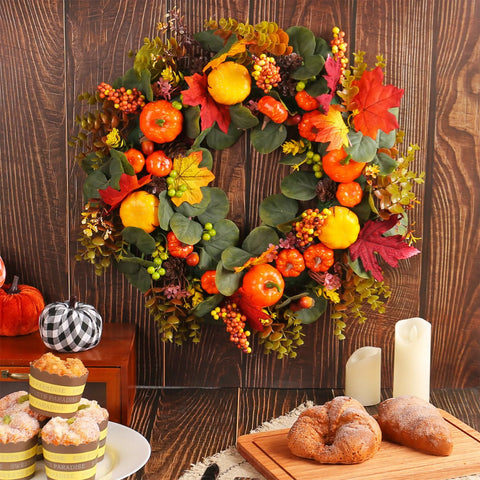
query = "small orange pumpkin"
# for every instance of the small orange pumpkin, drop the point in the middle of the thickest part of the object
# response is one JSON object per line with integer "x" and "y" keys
{"x": 20, "y": 307}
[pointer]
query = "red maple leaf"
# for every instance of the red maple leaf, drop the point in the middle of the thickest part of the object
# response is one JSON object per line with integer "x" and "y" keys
{"x": 127, "y": 184}
{"x": 332, "y": 77}
{"x": 210, "y": 110}
{"x": 372, "y": 102}
{"x": 371, "y": 241}
{"x": 254, "y": 314}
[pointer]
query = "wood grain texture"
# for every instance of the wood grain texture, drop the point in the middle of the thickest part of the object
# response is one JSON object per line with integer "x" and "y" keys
{"x": 51, "y": 51}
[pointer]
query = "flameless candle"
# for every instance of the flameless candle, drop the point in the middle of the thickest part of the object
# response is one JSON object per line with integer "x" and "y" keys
{"x": 362, "y": 375}
{"x": 411, "y": 369}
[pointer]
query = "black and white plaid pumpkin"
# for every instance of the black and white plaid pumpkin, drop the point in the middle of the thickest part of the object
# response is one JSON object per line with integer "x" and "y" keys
{"x": 70, "y": 326}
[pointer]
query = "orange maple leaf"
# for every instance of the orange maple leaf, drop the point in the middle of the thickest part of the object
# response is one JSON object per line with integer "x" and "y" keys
{"x": 192, "y": 176}
{"x": 235, "y": 49}
{"x": 127, "y": 184}
{"x": 372, "y": 102}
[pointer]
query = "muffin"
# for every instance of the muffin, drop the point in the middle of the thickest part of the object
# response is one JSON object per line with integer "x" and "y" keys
{"x": 56, "y": 386}
{"x": 18, "y": 445}
{"x": 70, "y": 447}
{"x": 91, "y": 409}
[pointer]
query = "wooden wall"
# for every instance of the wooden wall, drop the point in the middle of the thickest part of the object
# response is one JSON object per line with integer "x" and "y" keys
{"x": 52, "y": 50}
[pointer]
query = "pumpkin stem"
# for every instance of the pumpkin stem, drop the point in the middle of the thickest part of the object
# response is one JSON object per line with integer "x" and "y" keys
{"x": 73, "y": 301}
{"x": 14, "y": 286}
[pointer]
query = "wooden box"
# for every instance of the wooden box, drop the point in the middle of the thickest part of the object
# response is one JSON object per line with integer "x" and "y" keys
{"x": 111, "y": 364}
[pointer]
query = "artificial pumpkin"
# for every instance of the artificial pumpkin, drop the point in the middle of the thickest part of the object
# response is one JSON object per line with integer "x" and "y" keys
{"x": 3, "y": 272}
{"x": 70, "y": 326}
{"x": 20, "y": 307}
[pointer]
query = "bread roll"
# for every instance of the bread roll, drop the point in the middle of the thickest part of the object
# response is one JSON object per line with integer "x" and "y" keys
{"x": 340, "y": 431}
{"x": 414, "y": 422}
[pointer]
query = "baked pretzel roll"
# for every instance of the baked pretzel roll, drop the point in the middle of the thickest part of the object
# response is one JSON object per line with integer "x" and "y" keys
{"x": 414, "y": 422}
{"x": 340, "y": 431}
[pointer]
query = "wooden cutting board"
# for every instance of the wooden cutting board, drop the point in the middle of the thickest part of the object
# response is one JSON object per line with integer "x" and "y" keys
{"x": 269, "y": 454}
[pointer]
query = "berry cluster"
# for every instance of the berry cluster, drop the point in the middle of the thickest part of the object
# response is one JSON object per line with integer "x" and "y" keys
{"x": 235, "y": 325}
{"x": 339, "y": 48}
{"x": 208, "y": 232}
{"x": 266, "y": 73}
{"x": 159, "y": 255}
{"x": 316, "y": 160}
{"x": 309, "y": 226}
{"x": 175, "y": 190}
{"x": 127, "y": 100}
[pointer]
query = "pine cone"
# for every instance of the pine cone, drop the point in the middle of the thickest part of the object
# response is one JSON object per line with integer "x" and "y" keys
{"x": 156, "y": 186}
{"x": 174, "y": 272}
{"x": 326, "y": 189}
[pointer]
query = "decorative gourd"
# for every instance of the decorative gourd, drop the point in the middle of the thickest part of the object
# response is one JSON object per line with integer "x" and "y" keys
{"x": 70, "y": 326}
{"x": 20, "y": 307}
{"x": 3, "y": 272}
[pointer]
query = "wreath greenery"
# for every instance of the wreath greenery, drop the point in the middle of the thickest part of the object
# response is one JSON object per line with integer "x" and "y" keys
{"x": 151, "y": 209}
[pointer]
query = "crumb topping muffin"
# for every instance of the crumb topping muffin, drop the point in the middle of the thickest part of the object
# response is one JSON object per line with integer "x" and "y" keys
{"x": 18, "y": 427}
{"x": 72, "y": 431}
{"x": 18, "y": 402}
{"x": 91, "y": 408}
{"x": 71, "y": 367}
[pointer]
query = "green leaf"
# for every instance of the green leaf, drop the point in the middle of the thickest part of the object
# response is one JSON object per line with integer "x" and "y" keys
{"x": 322, "y": 47}
{"x": 358, "y": 268}
{"x": 209, "y": 41}
{"x": 386, "y": 140}
{"x": 317, "y": 88}
{"x": 205, "y": 307}
{"x": 302, "y": 40}
{"x": 362, "y": 148}
{"x": 218, "y": 140}
{"x": 299, "y": 185}
{"x": 268, "y": 139}
{"x": 228, "y": 282}
{"x": 207, "y": 262}
{"x": 277, "y": 209}
{"x": 386, "y": 163}
{"x": 291, "y": 159}
{"x": 189, "y": 210}
{"x": 227, "y": 235}
{"x": 121, "y": 157}
{"x": 242, "y": 117}
{"x": 217, "y": 208}
{"x": 191, "y": 116}
{"x": 94, "y": 182}
{"x": 165, "y": 210}
{"x": 140, "y": 238}
{"x": 259, "y": 239}
{"x": 234, "y": 257}
{"x": 311, "y": 67}
{"x": 132, "y": 80}
{"x": 198, "y": 141}
{"x": 185, "y": 229}
{"x": 136, "y": 275}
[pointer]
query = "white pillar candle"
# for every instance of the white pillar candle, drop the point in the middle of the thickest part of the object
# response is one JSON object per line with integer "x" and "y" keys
{"x": 363, "y": 375}
{"x": 411, "y": 368}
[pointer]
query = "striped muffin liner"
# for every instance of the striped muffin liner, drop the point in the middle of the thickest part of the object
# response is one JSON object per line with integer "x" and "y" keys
{"x": 103, "y": 426}
{"x": 18, "y": 460}
{"x": 55, "y": 395}
{"x": 70, "y": 462}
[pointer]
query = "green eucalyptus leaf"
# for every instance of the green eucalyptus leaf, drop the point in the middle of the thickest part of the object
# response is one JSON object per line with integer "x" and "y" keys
{"x": 386, "y": 163}
{"x": 209, "y": 41}
{"x": 185, "y": 229}
{"x": 140, "y": 238}
{"x": 136, "y": 275}
{"x": 386, "y": 140}
{"x": 291, "y": 159}
{"x": 219, "y": 140}
{"x": 207, "y": 262}
{"x": 259, "y": 239}
{"x": 209, "y": 304}
{"x": 188, "y": 210}
{"x": 362, "y": 148}
{"x": 94, "y": 182}
{"x": 299, "y": 185}
{"x": 302, "y": 40}
{"x": 191, "y": 116}
{"x": 322, "y": 47}
{"x": 317, "y": 88}
{"x": 165, "y": 210}
{"x": 200, "y": 138}
{"x": 217, "y": 208}
{"x": 227, "y": 235}
{"x": 207, "y": 159}
{"x": 269, "y": 138}
{"x": 227, "y": 282}
{"x": 311, "y": 67}
{"x": 358, "y": 268}
{"x": 242, "y": 117}
{"x": 277, "y": 209}
{"x": 234, "y": 257}
{"x": 121, "y": 157}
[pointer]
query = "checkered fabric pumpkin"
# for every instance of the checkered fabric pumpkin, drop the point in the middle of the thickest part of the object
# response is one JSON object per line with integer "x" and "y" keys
{"x": 70, "y": 326}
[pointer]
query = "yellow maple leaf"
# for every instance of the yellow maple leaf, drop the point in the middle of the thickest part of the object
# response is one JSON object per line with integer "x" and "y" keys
{"x": 331, "y": 128}
{"x": 192, "y": 176}
{"x": 235, "y": 49}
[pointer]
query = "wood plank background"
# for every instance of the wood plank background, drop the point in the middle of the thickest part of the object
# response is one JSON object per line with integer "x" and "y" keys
{"x": 52, "y": 50}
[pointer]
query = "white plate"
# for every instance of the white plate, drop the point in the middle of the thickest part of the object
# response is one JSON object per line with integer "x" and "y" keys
{"x": 126, "y": 452}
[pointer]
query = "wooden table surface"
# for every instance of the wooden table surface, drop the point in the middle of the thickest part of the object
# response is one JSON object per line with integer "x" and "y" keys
{"x": 185, "y": 425}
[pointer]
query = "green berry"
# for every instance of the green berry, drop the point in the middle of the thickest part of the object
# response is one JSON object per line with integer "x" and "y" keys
{"x": 162, "y": 272}
{"x": 310, "y": 154}
{"x": 170, "y": 180}
{"x": 212, "y": 232}
{"x": 318, "y": 174}
{"x": 173, "y": 174}
{"x": 316, "y": 167}
{"x": 300, "y": 86}
{"x": 157, "y": 261}
{"x": 164, "y": 255}
{"x": 171, "y": 192}
{"x": 316, "y": 157}
{"x": 208, "y": 226}
{"x": 206, "y": 237}
{"x": 155, "y": 275}
{"x": 151, "y": 270}
{"x": 179, "y": 193}
{"x": 183, "y": 187}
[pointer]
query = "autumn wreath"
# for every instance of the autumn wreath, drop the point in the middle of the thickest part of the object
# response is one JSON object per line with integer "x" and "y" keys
{"x": 151, "y": 210}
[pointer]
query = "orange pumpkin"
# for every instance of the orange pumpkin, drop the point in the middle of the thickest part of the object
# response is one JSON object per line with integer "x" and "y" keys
{"x": 3, "y": 272}
{"x": 20, "y": 307}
